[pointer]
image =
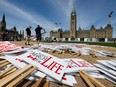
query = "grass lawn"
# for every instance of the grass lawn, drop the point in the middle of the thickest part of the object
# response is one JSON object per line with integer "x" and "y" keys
{"x": 110, "y": 44}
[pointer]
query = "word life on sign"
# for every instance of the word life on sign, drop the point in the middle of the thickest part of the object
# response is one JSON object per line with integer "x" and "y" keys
{"x": 47, "y": 63}
{"x": 74, "y": 65}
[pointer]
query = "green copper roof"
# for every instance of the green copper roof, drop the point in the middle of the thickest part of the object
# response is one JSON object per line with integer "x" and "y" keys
{"x": 73, "y": 9}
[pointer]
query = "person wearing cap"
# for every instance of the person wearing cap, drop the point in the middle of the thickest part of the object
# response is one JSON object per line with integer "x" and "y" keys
{"x": 38, "y": 33}
{"x": 28, "y": 35}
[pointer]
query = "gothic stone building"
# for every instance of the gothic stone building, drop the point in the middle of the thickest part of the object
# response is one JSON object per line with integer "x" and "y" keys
{"x": 10, "y": 33}
{"x": 92, "y": 34}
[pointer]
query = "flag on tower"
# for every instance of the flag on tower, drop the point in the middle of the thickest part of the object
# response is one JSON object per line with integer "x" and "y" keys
{"x": 110, "y": 14}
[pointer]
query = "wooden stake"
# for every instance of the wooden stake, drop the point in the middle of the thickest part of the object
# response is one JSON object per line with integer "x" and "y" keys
{"x": 27, "y": 84}
{"x": 46, "y": 84}
{"x": 86, "y": 80}
{"x": 94, "y": 81}
{"x": 6, "y": 71}
{"x": 4, "y": 64}
{"x": 2, "y": 61}
{"x": 20, "y": 78}
{"x": 10, "y": 77}
{"x": 38, "y": 83}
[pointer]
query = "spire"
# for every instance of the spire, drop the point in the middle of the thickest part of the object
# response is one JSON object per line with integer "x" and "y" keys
{"x": 3, "y": 22}
{"x": 3, "y": 18}
{"x": 73, "y": 9}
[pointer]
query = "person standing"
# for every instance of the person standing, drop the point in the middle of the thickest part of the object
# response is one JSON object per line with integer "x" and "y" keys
{"x": 38, "y": 33}
{"x": 28, "y": 35}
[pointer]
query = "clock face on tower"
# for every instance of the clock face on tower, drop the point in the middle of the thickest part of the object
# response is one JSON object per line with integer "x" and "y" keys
{"x": 73, "y": 14}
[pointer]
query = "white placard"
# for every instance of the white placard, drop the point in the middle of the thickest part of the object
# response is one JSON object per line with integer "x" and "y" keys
{"x": 106, "y": 69}
{"x": 106, "y": 64}
{"x": 109, "y": 76}
{"x": 111, "y": 62}
{"x": 19, "y": 63}
{"x": 67, "y": 79}
{"x": 47, "y": 63}
{"x": 96, "y": 75}
{"x": 74, "y": 65}
{"x": 32, "y": 78}
{"x": 6, "y": 46}
{"x": 16, "y": 51}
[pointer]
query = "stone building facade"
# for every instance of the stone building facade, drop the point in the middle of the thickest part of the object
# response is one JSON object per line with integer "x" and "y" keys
{"x": 11, "y": 34}
{"x": 92, "y": 34}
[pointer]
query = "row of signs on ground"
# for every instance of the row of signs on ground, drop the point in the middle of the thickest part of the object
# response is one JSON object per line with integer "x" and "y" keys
{"x": 58, "y": 70}
{"x": 6, "y": 46}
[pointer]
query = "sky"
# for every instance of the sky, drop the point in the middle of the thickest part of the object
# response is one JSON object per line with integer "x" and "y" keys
{"x": 24, "y": 13}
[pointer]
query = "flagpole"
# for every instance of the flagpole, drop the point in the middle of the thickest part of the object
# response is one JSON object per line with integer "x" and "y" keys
{"x": 109, "y": 16}
{"x": 109, "y": 20}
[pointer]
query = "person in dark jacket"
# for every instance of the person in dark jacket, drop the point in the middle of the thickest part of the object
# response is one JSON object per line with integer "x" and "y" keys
{"x": 28, "y": 35}
{"x": 38, "y": 33}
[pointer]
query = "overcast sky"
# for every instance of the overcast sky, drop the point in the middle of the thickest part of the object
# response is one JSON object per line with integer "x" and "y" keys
{"x": 23, "y": 13}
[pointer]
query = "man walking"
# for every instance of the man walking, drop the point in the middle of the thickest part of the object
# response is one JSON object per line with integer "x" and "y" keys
{"x": 38, "y": 33}
{"x": 28, "y": 35}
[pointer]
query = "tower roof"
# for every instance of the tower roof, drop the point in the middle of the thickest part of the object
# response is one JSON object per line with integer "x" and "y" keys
{"x": 73, "y": 8}
{"x": 3, "y": 18}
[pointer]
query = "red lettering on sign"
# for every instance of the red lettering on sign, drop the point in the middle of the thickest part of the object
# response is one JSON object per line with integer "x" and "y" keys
{"x": 82, "y": 64}
{"x": 59, "y": 68}
{"x": 64, "y": 78}
{"x": 19, "y": 60}
{"x": 52, "y": 65}
{"x": 31, "y": 57}
{"x": 69, "y": 66}
{"x": 45, "y": 62}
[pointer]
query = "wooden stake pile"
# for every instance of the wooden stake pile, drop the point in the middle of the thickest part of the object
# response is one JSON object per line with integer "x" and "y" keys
{"x": 13, "y": 76}
{"x": 91, "y": 82}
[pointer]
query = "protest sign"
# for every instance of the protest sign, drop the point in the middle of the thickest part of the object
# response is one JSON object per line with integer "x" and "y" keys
{"x": 74, "y": 65}
{"x": 19, "y": 63}
{"x": 111, "y": 62}
{"x": 5, "y": 46}
{"x": 16, "y": 51}
{"x": 96, "y": 74}
{"x": 108, "y": 76}
{"x": 106, "y": 64}
{"x": 106, "y": 69}
{"x": 47, "y": 63}
{"x": 66, "y": 79}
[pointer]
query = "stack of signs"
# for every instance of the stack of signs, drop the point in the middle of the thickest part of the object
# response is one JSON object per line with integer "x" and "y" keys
{"x": 74, "y": 65}
{"x": 104, "y": 53}
{"x": 48, "y": 64}
{"x": 55, "y": 69}
{"x": 108, "y": 68}
{"x": 6, "y": 46}
{"x": 19, "y": 63}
